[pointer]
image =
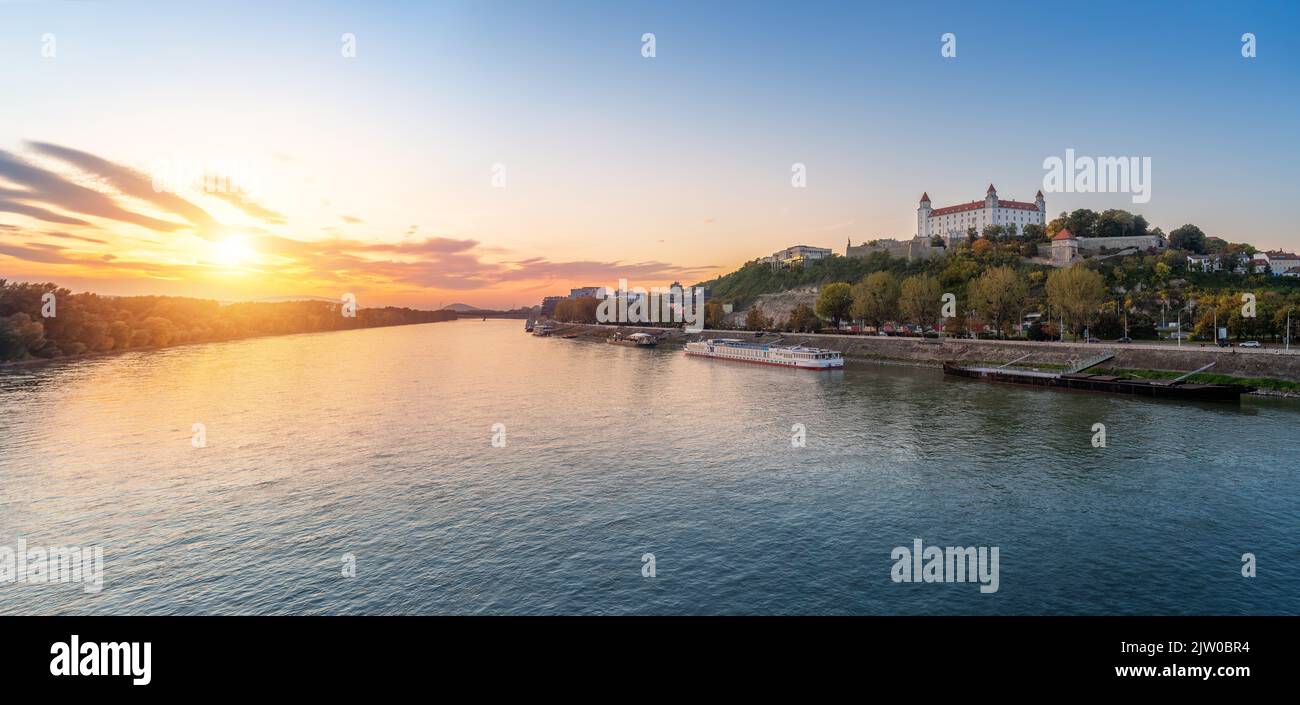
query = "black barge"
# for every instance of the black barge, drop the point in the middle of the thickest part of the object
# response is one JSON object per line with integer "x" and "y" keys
{"x": 1156, "y": 388}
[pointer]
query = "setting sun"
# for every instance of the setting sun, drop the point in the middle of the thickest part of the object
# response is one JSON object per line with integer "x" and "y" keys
{"x": 233, "y": 251}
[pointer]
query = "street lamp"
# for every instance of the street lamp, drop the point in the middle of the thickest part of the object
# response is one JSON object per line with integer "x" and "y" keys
{"x": 1288, "y": 328}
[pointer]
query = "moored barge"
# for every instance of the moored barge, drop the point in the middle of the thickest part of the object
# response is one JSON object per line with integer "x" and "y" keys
{"x": 635, "y": 340}
{"x": 1110, "y": 384}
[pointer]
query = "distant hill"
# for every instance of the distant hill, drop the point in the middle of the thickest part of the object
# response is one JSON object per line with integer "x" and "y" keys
{"x": 461, "y": 308}
{"x": 294, "y": 297}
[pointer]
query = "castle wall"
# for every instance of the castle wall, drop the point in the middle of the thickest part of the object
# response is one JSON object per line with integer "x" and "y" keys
{"x": 1141, "y": 242}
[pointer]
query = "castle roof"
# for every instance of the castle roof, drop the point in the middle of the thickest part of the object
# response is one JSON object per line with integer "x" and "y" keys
{"x": 925, "y": 196}
{"x": 978, "y": 205}
{"x": 1065, "y": 234}
{"x": 991, "y": 189}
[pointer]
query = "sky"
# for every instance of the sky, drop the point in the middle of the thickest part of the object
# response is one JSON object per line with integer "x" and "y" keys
{"x": 493, "y": 153}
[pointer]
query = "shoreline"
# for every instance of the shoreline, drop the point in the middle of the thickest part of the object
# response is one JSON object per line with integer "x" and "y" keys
{"x": 932, "y": 353}
{"x": 6, "y": 365}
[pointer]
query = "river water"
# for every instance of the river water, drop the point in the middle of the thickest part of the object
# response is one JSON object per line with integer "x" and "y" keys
{"x": 374, "y": 450}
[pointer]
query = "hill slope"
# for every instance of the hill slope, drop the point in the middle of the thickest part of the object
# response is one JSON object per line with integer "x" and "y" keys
{"x": 744, "y": 285}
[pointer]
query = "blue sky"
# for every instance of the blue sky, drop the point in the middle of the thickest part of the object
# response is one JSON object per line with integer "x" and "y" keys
{"x": 680, "y": 163}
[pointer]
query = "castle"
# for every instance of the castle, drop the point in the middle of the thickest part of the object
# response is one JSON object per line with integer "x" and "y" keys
{"x": 952, "y": 222}
{"x": 950, "y": 225}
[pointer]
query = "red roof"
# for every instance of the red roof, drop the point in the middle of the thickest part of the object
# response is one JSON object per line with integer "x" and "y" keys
{"x": 977, "y": 205}
{"x": 925, "y": 196}
{"x": 1065, "y": 234}
{"x": 1039, "y": 194}
{"x": 991, "y": 189}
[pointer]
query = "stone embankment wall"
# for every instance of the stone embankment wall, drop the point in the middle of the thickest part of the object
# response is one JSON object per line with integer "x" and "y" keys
{"x": 1238, "y": 362}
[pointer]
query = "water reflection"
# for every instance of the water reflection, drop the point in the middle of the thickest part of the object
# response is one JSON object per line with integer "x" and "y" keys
{"x": 378, "y": 443}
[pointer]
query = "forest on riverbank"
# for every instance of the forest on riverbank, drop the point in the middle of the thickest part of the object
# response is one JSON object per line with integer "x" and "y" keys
{"x": 45, "y": 321}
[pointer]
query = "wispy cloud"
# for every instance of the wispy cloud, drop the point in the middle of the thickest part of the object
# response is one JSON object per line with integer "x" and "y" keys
{"x": 125, "y": 180}
{"x": 51, "y": 190}
{"x": 250, "y": 207}
{"x": 408, "y": 264}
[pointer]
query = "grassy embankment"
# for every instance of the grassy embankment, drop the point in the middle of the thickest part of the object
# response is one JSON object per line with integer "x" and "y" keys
{"x": 1275, "y": 385}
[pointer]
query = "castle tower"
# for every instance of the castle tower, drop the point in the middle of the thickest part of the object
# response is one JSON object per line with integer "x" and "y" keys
{"x": 1065, "y": 248}
{"x": 923, "y": 216}
{"x": 1040, "y": 202}
{"x": 991, "y": 198}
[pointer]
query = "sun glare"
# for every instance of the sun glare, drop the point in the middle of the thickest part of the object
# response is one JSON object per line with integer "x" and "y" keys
{"x": 233, "y": 251}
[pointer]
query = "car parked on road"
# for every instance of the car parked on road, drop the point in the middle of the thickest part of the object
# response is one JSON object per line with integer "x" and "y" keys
{"x": 1125, "y": 340}
{"x": 1250, "y": 344}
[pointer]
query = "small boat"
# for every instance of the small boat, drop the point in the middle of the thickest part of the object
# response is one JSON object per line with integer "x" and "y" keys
{"x": 569, "y": 336}
{"x": 1110, "y": 384}
{"x": 528, "y": 325}
{"x": 635, "y": 340}
{"x": 543, "y": 330}
{"x": 797, "y": 356}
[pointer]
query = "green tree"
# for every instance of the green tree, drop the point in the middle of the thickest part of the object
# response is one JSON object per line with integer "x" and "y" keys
{"x": 918, "y": 299}
{"x": 875, "y": 298}
{"x": 804, "y": 319}
{"x": 20, "y": 336}
{"x": 713, "y": 315}
{"x": 835, "y": 302}
{"x": 999, "y": 295}
{"x": 1188, "y": 237}
{"x": 1082, "y": 222}
{"x": 755, "y": 320}
{"x": 1076, "y": 293}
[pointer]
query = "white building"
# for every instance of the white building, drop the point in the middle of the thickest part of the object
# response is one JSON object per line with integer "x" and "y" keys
{"x": 595, "y": 292}
{"x": 1204, "y": 263}
{"x": 1282, "y": 262}
{"x": 952, "y": 222}
{"x": 797, "y": 254}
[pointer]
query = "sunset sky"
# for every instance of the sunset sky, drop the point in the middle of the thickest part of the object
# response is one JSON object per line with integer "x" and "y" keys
{"x": 375, "y": 174}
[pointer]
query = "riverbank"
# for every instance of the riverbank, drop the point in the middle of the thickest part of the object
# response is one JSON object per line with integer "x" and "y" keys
{"x": 1139, "y": 360}
{"x": 80, "y": 357}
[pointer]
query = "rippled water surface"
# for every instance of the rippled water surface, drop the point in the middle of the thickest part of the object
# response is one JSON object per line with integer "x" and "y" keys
{"x": 378, "y": 443}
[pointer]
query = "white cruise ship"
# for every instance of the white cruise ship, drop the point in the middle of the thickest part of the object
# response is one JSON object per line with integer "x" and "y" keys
{"x": 783, "y": 355}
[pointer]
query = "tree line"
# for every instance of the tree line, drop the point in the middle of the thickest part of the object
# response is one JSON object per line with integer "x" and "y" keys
{"x": 997, "y": 299}
{"x": 1100, "y": 299}
{"x": 88, "y": 323}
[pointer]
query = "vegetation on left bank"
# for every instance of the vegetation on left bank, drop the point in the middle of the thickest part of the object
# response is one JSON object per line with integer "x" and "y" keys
{"x": 89, "y": 323}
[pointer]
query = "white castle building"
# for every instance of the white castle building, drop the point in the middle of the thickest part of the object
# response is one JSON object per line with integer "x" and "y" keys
{"x": 952, "y": 222}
